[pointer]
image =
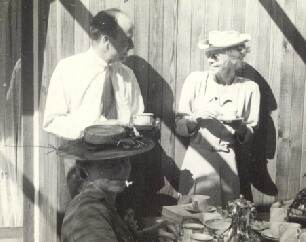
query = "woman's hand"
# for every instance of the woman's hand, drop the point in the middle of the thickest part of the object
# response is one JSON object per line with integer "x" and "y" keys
{"x": 240, "y": 129}
{"x": 206, "y": 114}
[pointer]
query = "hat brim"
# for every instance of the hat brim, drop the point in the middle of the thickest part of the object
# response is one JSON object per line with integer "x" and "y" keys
{"x": 211, "y": 48}
{"x": 81, "y": 151}
{"x": 204, "y": 44}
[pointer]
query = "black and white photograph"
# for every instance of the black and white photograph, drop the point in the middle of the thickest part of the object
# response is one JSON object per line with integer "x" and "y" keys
{"x": 152, "y": 120}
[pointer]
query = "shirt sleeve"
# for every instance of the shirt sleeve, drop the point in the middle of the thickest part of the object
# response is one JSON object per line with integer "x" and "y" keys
{"x": 137, "y": 105}
{"x": 57, "y": 119}
{"x": 252, "y": 108}
{"x": 184, "y": 113}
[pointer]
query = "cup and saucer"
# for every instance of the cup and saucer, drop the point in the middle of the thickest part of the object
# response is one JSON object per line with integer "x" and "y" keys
{"x": 144, "y": 121}
{"x": 230, "y": 117}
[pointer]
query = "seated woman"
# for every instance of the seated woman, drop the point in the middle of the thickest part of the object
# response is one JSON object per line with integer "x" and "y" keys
{"x": 91, "y": 215}
{"x": 217, "y": 108}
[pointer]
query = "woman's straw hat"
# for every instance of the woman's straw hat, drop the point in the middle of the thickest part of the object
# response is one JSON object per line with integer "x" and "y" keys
{"x": 218, "y": 40}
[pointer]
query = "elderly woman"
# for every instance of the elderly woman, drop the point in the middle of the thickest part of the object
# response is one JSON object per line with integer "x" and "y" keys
{"x": 217, "y": 108}
{"x": 92, "y": 216}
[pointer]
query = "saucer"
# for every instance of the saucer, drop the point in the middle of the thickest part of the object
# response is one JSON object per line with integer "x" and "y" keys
{"x": 231, "y": 121}
{"x": 268, "y": 235}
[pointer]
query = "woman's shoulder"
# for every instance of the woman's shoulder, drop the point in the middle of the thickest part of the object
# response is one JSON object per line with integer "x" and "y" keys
{"x": 198, "y": 74}
{"x": 197, "y": 77}
{"x": 248, "y": 83}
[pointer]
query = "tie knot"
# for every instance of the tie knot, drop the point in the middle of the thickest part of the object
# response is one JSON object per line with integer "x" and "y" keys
{"x": 108, "y": 67}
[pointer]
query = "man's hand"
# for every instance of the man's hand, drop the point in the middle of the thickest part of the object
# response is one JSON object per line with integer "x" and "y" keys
{"x": 167, "y": 231}
{"x": 192, "y": 124}
{"x": 130, "y": 219}
{"x": 161, "y": 228}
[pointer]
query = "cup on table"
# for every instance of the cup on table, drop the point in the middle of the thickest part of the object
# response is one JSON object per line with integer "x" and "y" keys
{"x": 279, "y": 228}
{"x": 278, "y": 214}
{"x": 143, "y": 119}
{"x": 200, "y": 202}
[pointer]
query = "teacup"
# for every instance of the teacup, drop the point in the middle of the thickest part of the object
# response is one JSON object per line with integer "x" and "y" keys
{"x": 278, "y": 214}
{"x": 279, "y": 228}
{"x": 143, "y": 119}
{"x": 200, "y": 202}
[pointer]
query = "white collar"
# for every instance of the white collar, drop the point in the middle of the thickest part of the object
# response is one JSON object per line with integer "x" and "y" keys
{"x": 95, "y": 58}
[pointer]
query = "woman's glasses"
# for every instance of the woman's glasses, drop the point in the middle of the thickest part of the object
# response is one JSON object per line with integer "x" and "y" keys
{"x": 242, "y": 49}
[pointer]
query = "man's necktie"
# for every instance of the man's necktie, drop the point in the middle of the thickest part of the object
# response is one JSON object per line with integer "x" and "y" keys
{"x": 109, "y": 109}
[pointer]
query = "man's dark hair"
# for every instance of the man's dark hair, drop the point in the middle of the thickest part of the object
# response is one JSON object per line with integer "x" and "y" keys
{"x": 104, "y": 22}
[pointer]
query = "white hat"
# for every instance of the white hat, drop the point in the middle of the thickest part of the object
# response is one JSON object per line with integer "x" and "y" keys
{"x": 223, "y": 39}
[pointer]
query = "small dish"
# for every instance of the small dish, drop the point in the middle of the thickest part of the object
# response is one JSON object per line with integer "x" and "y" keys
{"x": 267, "y": 234}
{"x": 219, "y": 225}
{"x": 260, "y": 225}
{"x": 210, "y": 208}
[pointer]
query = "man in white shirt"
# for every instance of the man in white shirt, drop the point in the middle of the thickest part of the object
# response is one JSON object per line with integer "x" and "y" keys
{"x": 94, "y": 87}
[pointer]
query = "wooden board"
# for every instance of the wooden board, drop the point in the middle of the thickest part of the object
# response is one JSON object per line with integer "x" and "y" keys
{"x": 184, "y": 10}
{"x": 285, "y": 111}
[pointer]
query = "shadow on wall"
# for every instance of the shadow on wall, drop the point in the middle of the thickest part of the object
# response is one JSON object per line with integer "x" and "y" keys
{"x": 253, "y": 158}
{"x": 152, "y": 169}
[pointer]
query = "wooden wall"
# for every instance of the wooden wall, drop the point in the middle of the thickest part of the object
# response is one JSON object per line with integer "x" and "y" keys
{"x": 166, "y": 35}
{"x": 11, "y": 159}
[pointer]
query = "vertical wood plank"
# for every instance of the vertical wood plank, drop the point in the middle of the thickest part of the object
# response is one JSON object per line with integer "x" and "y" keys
{"x": 9, "y": 200}
{"x": 297, "y": 106}
{"x": 183, "y": 62}
{"x": 81, "y": 27}
{"x": 197, "y": 31}
{"x": 225, "y": 15}
{"x": 65, "y": 43}
{"x": 49, "y": 162}
{"x": 238, "y": 16}
{"x": 301, "y": 8}
{"x": 273, "y": 78}
{"x": 285, "y": 103}
{"x": 169, "y": 166}
{"x": 27, "y": 110}
{"x": 211, "y": 22}
{"x": 155, "y": 54}
{"x": 96, "y": 6}
{"x": 128, "y": 7}
{"x": 66, "y": 19}
{"x": 113, "y": 3}
{"x": 169, "y": 74}
{"x": 251, "y": 27}
{"x": 262, "y": 54}
{"x": 141, "y": 45}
